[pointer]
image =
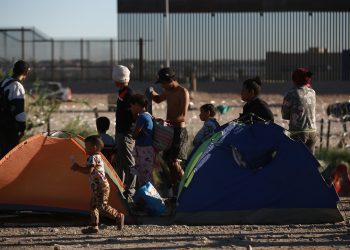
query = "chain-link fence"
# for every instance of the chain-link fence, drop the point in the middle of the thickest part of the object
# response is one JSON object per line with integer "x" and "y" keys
{"x": 57, "y": 60}
{"x": 210, "y": 46}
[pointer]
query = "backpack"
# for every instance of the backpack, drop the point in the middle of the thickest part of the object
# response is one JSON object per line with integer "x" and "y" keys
{"x": 163, "y": 135}
{"x": 4, "y": 102}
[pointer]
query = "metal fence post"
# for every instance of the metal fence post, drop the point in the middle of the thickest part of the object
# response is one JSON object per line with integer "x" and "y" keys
{"x": 22, "y": 42}
{"x": 141, "y": 59}
{"x": 81, "y": 59}
{"x": 328, "y": 132}
{"x": 52, "y": 59}
{"x": 321, "y": 134}
{"x": 111, "y": 58}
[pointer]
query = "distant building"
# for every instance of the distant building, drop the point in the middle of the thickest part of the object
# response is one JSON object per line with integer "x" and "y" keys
{"x": 346, "y": 65}
{"x": 323, "y": 64}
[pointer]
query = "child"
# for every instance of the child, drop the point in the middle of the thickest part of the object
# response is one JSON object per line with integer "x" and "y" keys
{"x": 143, "y": 152}
{"x": 102, "y": 125}
{"x": 250, "y": 94}
{"x": 99, "y": 185}
{"x": 207, "y": 113}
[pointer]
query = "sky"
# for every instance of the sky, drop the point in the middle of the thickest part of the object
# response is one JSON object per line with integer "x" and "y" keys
{"x": 62, "y": 19}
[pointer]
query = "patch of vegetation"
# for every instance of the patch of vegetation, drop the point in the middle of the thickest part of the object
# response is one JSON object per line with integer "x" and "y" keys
{"x": 79, "y": 127}
{"x": 39, "y": 110}
{"x": 333, "y": 155}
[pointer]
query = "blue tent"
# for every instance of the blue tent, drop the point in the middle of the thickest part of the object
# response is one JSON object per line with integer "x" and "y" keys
{"x": 254, "y": 174}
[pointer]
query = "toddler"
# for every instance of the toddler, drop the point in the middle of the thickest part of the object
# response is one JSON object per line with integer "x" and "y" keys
{"x": 207, "y": 113}
{"x": 99, "y": 185}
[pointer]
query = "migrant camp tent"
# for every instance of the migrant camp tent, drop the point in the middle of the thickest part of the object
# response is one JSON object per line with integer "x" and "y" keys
{"x": 36, "y": 175}
{"x": 254, "y": 174}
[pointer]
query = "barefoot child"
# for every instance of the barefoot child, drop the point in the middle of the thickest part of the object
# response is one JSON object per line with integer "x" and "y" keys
{"x": 207, "y": 113}
{"x": 99, "y": 185}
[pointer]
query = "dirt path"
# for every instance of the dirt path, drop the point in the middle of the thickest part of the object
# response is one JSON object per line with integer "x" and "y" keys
{"x": 52, "y": 231}
{"x": 77, "y": 110}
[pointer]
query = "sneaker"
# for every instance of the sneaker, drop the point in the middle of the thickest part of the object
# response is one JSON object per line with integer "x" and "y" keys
{"x": 90, "y": 230}
{"x": 120, "y": 221}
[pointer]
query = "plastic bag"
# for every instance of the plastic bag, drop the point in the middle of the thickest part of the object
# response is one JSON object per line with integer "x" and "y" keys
{"x": 150, "y": 198}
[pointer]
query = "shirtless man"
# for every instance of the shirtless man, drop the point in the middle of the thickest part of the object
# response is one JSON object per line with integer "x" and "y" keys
{"x": 177, "y": 98}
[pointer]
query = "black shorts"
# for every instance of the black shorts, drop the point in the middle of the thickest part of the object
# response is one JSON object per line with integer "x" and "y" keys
{"x": 178, "y": 150}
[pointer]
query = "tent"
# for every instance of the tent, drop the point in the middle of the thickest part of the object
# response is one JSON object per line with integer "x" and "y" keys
{"x": 36, "y": 175}
{"x": 254, "y": 174}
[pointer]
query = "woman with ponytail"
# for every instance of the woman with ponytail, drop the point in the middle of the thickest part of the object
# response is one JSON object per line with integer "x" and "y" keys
{"x": 254, "y": 105}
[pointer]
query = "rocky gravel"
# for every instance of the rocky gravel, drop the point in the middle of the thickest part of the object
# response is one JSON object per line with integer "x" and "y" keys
{"x": 54, "y": 231}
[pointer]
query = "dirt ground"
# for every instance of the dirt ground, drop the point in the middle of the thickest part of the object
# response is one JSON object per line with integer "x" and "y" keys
{"x": 26, "y": 230}
{"x": 83, "y": 112}
{"x": 53, "y": 231}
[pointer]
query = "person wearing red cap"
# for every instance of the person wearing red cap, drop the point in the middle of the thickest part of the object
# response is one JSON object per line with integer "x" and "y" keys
{"x": 299, "y": 107}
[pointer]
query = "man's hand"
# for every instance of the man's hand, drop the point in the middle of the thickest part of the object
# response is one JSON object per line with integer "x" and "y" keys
{"x": 148, "y": 92}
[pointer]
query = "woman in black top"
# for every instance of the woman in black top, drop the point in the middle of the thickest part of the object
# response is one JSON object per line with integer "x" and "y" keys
{"x": 250, "y": 94}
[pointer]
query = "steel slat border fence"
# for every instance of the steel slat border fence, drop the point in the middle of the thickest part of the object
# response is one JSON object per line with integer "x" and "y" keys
{"x": 213, "y": 46}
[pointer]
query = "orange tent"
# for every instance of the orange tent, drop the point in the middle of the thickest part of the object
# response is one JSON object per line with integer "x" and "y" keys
{"x": 36, "y": 175}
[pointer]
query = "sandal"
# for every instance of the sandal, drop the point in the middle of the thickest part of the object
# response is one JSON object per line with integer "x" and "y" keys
{"x": 90, "y": 230}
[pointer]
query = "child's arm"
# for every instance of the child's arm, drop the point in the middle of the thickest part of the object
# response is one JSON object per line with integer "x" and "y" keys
{"x": 140, "y": 124}
{"x": 81, "y": 169}
{"x": 136, "y": 132}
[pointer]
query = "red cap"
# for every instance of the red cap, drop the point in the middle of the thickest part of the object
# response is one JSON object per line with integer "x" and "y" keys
{"x": 302, "y": 76}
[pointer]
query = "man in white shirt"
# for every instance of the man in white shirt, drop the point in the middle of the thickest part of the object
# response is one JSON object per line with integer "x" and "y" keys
{"x": 12, "y": 114}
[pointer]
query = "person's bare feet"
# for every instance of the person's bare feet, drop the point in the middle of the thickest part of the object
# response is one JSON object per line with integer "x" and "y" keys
{"x": 120, "y": 221}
